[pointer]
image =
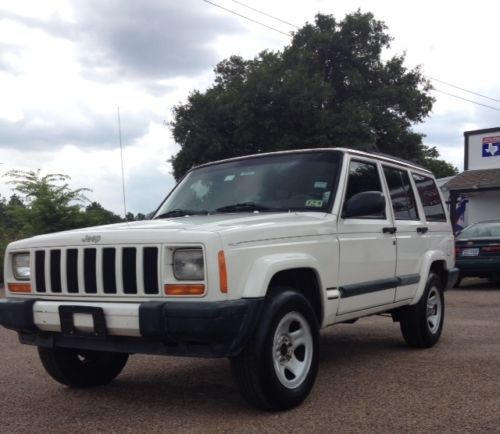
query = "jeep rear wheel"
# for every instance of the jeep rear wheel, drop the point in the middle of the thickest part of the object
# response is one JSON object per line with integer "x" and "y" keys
{"x": 422, "y": 324}
{"x": 277, "y": 369}
{"x": 82, "y": 368}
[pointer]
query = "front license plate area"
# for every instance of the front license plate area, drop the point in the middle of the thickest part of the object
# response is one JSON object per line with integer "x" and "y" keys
{"x": 68, "y": 328}
{"x": 470, "y": 252}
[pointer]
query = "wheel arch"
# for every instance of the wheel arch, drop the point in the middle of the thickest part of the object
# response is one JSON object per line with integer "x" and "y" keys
{"x": 439, "y": 268}
{"x": 305, "y": 281}
{"x": 434, "y": 262}
{"x": 298, "y": 271}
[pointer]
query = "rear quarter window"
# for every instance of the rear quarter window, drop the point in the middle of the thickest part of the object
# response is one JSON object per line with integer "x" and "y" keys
{"x": 430, "y": 198}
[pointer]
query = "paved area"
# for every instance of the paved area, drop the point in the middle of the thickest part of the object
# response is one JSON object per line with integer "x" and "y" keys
{"x": 369, "y": 381}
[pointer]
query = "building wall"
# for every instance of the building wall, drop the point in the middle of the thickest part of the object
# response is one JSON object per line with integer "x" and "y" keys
{"x": 475, "y": 157}
{"x": 483, "y": 206}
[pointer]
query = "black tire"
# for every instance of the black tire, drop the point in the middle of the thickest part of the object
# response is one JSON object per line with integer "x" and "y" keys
{"x": 422, "y": 323}
{"x": 494, "y": 279}
{"x": 82, "y": 368}
{"x": 277, "y": 369}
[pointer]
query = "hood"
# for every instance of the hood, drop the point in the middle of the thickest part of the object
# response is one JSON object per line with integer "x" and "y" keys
{"x": 239, "y": 227}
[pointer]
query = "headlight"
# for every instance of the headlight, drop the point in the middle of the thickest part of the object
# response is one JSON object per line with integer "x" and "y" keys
{"x": 21, "y": 266}
{"x": 188, "y": 264}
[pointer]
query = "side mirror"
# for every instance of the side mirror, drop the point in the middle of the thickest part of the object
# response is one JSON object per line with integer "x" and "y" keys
{"x": 364, "y": 204}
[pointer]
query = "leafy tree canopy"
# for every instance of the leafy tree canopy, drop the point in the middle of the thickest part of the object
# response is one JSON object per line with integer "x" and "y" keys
{"x": 47, "y": 204}
{"x": 96, "y": 215}
{"x": 328, "y": 88}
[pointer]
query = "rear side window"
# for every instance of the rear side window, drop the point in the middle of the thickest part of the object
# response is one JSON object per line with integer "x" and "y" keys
{"x": 402, "y": 198}
{"x": 429, "y": 195}
{"x": 363, "y": 176}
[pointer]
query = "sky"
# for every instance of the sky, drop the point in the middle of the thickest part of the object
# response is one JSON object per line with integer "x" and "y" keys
{"x": 67, "y": 66}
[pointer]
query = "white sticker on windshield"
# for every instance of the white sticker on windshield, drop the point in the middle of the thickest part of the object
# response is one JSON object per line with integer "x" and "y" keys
{"x": 320, "y": 184}
{"x": 229, "y": 178}
{"x": 247, "y": 173}
{"x": 314, "y": 203}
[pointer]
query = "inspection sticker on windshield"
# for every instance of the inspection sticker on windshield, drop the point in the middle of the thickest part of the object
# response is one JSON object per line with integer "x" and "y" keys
{"x": 315, "y": 203}
{"x": 320, "y": 184}
{"x": 229, "y": 178}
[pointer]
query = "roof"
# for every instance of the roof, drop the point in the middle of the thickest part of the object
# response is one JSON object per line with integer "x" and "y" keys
{"x": 379, "y": 156}
{"x": 484, "y": 179}
{"x": 483, "y": 131}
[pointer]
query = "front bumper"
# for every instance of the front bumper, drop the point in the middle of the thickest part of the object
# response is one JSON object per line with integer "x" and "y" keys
{"x": 208, "y": 329}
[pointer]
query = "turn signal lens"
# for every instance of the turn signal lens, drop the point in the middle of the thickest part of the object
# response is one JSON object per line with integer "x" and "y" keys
{"x": 222, "y": 272}
{"x": 19, "y": 287}
{"x": 174, "y": 289}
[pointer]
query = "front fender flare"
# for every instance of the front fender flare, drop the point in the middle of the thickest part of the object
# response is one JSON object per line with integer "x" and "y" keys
{"x": 264, "y": 268}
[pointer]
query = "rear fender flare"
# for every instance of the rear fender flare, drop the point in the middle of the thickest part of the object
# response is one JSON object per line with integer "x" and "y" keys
{"x": 429, "y": 258}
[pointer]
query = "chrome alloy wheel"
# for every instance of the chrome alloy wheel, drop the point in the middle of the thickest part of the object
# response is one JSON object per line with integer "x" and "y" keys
{"x": 292, "y": 350}
{"x": 434, "y": 311}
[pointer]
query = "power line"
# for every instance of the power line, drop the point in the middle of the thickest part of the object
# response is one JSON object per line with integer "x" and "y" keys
{"x": 465, "y": 99}
{"x": 293, "y": 25}
{"x": 431, "y": 78}
{"x": 462, "y": 89}
{"x": 246, "y": 18}
{"x": 266, "y": 14}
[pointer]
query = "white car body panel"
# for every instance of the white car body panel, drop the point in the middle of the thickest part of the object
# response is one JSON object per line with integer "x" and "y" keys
{"x": 256, "y": 246}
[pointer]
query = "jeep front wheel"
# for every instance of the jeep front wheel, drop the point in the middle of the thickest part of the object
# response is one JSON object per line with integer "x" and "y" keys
{"x": 277, "y": 369}
{"x": 82, "y": 368}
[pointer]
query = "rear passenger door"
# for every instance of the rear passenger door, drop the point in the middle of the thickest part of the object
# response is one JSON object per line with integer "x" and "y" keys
{"x": 411, "y": 230}
{"x": 434, "y": 214}
{"x": 367, "y": 246}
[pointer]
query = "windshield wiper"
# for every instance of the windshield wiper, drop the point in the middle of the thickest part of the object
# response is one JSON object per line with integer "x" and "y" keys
{"x": 178, "y": 212}
{"x": 245, "y": 206}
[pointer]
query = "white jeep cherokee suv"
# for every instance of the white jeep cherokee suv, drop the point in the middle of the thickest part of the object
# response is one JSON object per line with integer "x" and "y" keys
{"x": 247, "y": 258}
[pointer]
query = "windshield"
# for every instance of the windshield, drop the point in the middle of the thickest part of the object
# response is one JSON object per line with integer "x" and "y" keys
{"x": 481, "y": 230}
{"x": 286, "y": 182}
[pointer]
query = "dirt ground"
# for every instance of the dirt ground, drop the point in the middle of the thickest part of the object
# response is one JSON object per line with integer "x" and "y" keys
{"x": 369, "y": 381}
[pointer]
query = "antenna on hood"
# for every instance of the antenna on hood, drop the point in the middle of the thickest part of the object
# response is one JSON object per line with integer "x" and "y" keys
{"x": 121, "y": 158}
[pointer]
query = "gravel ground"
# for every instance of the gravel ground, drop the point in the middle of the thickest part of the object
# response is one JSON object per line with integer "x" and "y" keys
{"x": 369, "y": 381}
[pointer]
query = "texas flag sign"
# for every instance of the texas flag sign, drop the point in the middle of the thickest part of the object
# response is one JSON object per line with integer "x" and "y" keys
{"x": 491, "y": 146}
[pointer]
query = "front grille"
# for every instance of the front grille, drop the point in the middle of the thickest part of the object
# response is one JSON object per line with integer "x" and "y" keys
{"x": 97, "y": 271}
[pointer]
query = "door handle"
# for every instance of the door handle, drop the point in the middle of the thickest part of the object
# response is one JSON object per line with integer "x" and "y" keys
{"x": 389, "y": 230}
{"x": 422, "y": 230}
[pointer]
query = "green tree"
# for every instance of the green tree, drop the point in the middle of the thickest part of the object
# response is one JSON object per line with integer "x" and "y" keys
{"x": 329, "y": 87}
{"x": 48, "y": 204}
{"x": 10, "y": 229}
{"x": 440, "y": 168}
{"x": 96, "y": 215}
{"x": 44, "y": 204}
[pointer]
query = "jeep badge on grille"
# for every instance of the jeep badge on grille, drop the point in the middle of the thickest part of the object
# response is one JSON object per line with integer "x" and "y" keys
{"x": 91, "y": 239}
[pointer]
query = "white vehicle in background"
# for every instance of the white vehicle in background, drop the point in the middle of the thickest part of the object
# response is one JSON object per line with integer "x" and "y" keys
{"x": 247, "y": 258}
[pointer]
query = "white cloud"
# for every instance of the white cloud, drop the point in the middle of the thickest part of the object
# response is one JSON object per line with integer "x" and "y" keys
{"x": 65, "y": 67}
